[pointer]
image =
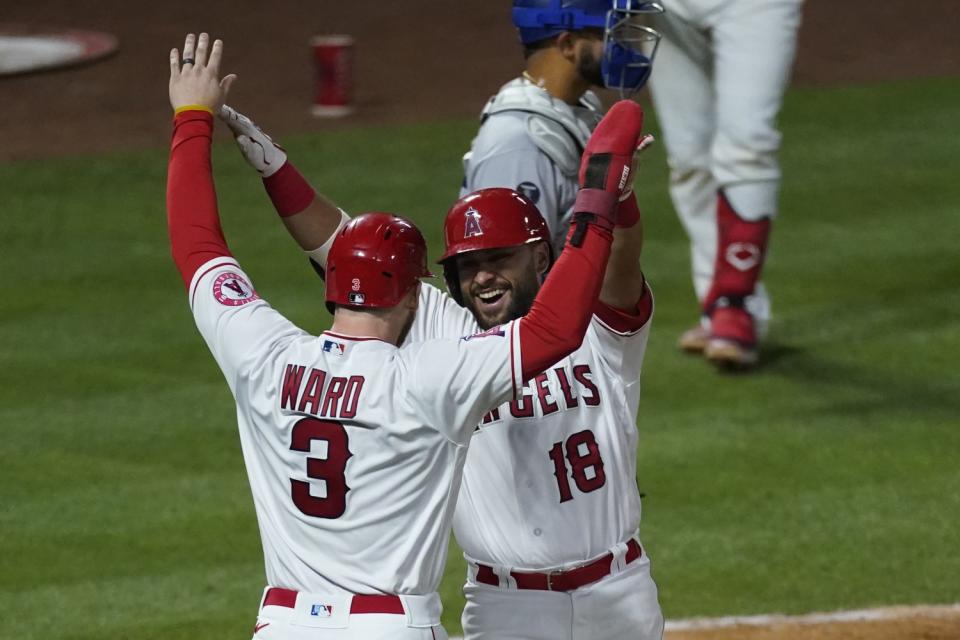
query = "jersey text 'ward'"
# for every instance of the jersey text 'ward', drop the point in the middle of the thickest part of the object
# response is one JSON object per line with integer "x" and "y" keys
{"x": 312, "y": 392}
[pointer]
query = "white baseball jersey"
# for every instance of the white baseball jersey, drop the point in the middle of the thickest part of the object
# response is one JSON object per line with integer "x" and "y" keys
{"x": 532, "y": 142}
{"x": 550, "y": 478}
{"x": 354, "y": 447}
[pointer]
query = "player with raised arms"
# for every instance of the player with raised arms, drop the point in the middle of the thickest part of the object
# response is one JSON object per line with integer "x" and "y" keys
{"x": 550, "y": 501}
{"x": 549, "y": 510}
{"x": 354, "y": 446}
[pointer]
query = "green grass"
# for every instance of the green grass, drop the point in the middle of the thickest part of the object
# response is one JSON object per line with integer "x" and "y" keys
{"x": 827, "y": 480}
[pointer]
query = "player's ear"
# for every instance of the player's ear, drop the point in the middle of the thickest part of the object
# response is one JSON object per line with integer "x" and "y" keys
{"x": 567, "y": 45}
{"x": 541, "y": 258}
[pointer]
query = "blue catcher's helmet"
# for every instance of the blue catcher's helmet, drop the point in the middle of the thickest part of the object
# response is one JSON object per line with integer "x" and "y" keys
{"x": 629, "y": 46}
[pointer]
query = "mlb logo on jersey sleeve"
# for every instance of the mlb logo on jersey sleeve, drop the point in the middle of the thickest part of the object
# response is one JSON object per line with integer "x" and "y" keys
{"x": 232, "y": 290}
{"x": 335, "y": 348}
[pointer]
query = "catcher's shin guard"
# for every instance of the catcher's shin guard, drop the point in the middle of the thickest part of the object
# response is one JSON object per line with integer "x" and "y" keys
{"x": 741, "y": 249}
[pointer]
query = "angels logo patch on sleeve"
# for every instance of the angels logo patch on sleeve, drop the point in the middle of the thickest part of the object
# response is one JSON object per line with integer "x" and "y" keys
{"x": 232, "y": 290}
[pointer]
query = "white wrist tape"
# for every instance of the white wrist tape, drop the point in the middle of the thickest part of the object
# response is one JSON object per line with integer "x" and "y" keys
{"x": 319, "y": 255}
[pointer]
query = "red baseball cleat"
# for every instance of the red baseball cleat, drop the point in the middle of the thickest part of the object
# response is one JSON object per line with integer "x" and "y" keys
{"x": 694, "y": 340}
{"x": 733, "y": 340}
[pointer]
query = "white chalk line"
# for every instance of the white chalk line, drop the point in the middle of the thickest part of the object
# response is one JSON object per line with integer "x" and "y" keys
{"x": 859, "y": 615}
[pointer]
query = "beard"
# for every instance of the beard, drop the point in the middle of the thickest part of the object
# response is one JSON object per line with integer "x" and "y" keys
{"x": 522, "y": 295}
{"x": 590, "y": 68}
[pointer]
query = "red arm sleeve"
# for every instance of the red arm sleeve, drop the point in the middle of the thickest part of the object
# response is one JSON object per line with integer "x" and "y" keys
{"x": 192, "y": 218}
{"x": 561, "y": 312}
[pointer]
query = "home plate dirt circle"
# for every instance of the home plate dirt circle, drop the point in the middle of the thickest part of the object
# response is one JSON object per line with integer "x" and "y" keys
{"x": 25, "y": 49}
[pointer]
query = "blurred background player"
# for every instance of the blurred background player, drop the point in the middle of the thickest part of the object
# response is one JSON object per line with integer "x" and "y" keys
{"x": 722, "y": 69}
{"x": 534, "y": 129}
{"x": 549, "y": 509}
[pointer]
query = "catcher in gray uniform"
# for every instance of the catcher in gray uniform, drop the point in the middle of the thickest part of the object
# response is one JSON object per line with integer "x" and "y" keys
{"x": 534, "y": 129}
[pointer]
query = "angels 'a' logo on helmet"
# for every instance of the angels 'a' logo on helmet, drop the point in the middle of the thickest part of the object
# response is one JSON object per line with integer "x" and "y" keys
{"x": 471, "y": 224}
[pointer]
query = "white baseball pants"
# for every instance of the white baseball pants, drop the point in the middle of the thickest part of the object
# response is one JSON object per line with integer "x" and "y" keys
{"x": 718, "y": 84}
{"x": 327, "y": 617}
{"x": 622, "y": 605}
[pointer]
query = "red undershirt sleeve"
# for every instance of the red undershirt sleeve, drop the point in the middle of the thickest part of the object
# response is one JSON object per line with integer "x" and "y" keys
{"x": 627, "y": 320}
{"x": 192, "y": 219}
{"x": 289, "y": 191}
{"x": 561, "y": 312}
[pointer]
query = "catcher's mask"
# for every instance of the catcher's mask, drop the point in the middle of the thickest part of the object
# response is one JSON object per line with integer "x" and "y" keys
{"x": 629, "y": 45}
{"x": 488, "y": 219}
{"x": 374, "y": 261}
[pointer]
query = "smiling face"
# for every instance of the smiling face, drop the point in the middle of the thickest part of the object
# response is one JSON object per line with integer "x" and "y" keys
{"x": 499, "y": 285}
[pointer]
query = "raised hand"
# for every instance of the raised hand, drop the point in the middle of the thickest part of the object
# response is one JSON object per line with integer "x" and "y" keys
{"x": 607, "y": 165}
{"x": 195, "y": 79}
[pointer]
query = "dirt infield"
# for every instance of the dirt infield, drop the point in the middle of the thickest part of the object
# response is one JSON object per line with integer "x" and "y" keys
{"x": 897, "y": 623}
{"x": 416, "y": 60}
{"x": 919, "y": 628}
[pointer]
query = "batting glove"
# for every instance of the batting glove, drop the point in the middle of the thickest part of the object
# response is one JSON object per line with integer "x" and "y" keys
{"x": 261, "y": 152}
{"x": 646, "y": 141}
{"x": 606, "y": 167}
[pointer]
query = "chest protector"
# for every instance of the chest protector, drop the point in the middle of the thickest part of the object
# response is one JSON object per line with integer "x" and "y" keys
{"x": 558, "y": 129}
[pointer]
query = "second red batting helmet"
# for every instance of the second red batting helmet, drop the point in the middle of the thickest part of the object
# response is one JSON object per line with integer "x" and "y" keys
{"x": 374, "y": 261}
{"x": 489, "y": 219}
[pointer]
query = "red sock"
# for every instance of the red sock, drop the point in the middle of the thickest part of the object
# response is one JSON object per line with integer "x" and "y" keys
{"x": 741, "y": 248}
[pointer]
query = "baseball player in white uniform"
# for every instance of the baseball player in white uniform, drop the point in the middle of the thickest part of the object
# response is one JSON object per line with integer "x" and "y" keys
{"x": 723, "y": 66}
{"x": 540, "y": 510}
{"x": 549, "y": 510}
{"x": 354, "y": 446}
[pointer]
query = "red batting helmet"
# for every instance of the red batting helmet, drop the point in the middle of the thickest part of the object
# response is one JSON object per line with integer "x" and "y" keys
{"x": 489, "y": 219}
{"x": 374, "y": 261}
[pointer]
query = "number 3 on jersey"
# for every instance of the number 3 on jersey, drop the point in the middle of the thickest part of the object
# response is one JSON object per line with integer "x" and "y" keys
{"x": 329, "y": 469}
{"x": 585, "y": 462}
